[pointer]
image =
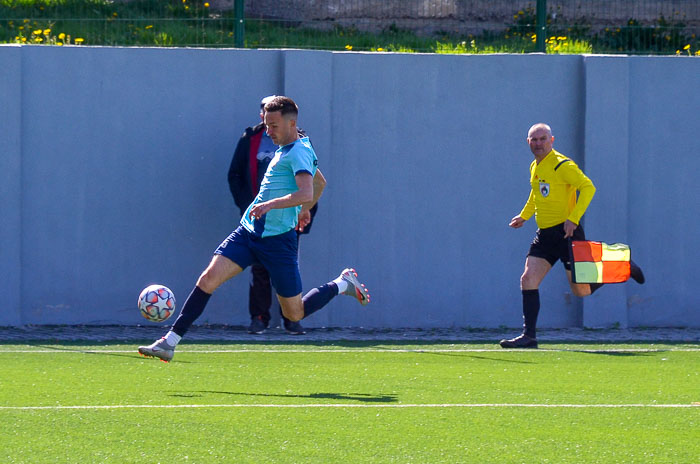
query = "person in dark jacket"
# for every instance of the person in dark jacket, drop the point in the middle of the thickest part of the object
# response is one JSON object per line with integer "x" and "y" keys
{"x": 253, "y": 154}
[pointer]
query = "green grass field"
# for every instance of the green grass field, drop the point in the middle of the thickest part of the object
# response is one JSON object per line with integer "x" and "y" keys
{"x": 348, "y": 402}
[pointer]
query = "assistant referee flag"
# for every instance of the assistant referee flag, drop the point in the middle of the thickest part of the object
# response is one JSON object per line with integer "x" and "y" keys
{"x": 598, "y": 262}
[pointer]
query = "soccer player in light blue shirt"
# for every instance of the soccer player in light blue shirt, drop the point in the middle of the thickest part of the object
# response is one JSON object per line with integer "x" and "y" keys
{"x": 280, "y": 180}
{"x": 291, "y": 187}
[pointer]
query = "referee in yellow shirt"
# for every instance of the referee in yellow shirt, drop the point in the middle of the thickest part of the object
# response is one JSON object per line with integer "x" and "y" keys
{"x": 555, "y": 179}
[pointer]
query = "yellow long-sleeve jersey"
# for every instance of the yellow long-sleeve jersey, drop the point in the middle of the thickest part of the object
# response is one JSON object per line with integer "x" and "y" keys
{"x": 554, "y": 182}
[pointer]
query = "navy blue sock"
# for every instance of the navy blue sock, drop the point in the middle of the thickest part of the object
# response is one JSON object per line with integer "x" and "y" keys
{"x": 319, "y": 297}
{"x": 191, "y": 310}
{"x": 595, "y": 287}
{"x": 531, "y": 308}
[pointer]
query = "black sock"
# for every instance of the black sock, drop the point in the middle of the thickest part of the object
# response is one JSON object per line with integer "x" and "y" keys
{"x": 319, "y": 297}
{"x": 595, "y": 287}
{"x": 531, "y": 308}
{"x": 191, "y": 310}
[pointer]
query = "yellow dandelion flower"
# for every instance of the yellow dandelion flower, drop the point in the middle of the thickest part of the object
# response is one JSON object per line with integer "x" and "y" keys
{"x": 61, "y": 36}
{"x": 115, "y": 14}
{"x": 78, "y": 41}
{"x": 37, "y": 32}
{"x": 25, "y": 21}
{"x": 47, "y": 31}
{"x": 150, "y": 26}
{"x": 24, "y": 39}
{"x": 348, "y": 47}
{"x": 206, "y": 5}
{"x": 380, "y": 49}
{"x": 60, "y": 44}
{"x": 687, "y": 47}
{"x": 561, "y": 38}
{"x": 38, "y": 39}
{"x": 187, "y": 7}
{"x": 21, "y": 28}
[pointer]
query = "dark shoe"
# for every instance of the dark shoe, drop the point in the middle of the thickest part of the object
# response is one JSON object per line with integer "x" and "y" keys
{"x": 636, "y": 273}
{"x": 257, "y": 326}
{"x": 294, "y": 328}
{"x": 521, "y": 341}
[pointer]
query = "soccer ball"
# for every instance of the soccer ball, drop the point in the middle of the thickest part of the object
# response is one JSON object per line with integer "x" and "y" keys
{"x": 156, "y": 303}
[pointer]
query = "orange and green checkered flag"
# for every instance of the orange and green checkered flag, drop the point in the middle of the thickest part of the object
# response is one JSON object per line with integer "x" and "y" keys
{"x": 598, "y": 262}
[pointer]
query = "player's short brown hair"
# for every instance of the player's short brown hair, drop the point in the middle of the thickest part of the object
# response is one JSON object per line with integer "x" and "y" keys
{"x": 283, "y": 104}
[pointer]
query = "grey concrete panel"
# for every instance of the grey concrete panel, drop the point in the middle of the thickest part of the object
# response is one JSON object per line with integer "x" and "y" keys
{"x": 429, "y": 165}
{"x": 126, "y": 153}
{"x": 11, "y": 184}
{"x": 664, "y": 195}
{"x": 607, "y": 149}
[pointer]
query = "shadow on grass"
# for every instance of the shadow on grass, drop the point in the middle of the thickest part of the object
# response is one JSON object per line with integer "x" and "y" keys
{"x": 616, "y": 353}
{"x": 480, "y": 356}
{"x": 362, "y": 397}
{"x": 76, "y": 349}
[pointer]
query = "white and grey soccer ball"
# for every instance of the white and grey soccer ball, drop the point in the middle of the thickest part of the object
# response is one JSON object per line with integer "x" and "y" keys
{"x": 157, "y": 303}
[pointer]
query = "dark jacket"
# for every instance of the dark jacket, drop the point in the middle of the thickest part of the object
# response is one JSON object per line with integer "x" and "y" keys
{"x": 246, "y": 172}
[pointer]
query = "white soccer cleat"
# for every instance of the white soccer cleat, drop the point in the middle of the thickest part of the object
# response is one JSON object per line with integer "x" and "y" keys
{"x": 158, "y": 349}
{"x": 355, "y": 288}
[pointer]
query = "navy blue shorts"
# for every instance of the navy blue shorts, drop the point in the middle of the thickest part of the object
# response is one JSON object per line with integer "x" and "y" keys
{"x": 279, "y": 254}
{"x": 549, "y": 243}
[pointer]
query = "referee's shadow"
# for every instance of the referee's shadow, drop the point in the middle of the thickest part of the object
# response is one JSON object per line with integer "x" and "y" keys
{"x": 361, "y": 397}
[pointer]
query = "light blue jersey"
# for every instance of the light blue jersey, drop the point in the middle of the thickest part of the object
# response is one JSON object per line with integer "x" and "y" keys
{"x": 279, "y": 180}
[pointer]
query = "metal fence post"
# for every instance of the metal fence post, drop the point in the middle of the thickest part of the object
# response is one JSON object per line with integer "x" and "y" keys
{"x": 541, "y": 26}
{"x": 239, "y": 7}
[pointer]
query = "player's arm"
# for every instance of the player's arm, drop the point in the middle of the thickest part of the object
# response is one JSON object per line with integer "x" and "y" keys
{"x": 305, "y": 213}
{"x": 318, "y": 185}
{"x": 304, "y": 194}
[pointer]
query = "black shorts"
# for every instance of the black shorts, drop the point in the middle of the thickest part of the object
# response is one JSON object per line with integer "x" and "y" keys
{"x": 550, "y": 244}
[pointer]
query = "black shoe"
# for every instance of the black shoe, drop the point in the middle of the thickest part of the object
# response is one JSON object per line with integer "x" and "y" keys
{"x": 636, "y": 273}
{"x": 294, "y": 328}
{"x": 257, "y": 326}
{"x": 521, "y": 341}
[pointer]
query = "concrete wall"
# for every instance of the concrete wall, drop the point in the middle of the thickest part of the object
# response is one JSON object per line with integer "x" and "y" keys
{"x": 113, "y": 183}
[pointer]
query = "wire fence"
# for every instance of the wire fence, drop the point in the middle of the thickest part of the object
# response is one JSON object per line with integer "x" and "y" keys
{"x": 443, "y": 26}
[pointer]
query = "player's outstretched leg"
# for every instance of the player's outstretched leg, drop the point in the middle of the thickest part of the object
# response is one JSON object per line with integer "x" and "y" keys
{"x": 354, "y": 287}
{"x": 164, "y": 348}
{"x": 158, "y": 349}
{"x": 346, "y": 283}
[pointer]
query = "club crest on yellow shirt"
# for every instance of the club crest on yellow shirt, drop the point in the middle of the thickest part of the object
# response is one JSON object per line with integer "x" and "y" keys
{"x": 544, "y": 189}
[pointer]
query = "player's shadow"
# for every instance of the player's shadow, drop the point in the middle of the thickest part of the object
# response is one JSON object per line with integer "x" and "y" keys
{"x": 481, "y": 357}
{"x": 134, "y": 355}
{"x": 613, "y": 352}
{"x": 361, "y": 397}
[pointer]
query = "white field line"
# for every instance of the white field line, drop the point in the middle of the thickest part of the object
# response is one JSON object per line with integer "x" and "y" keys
{"x": 348, "y": 405}
{"x": 376, "y": 350}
